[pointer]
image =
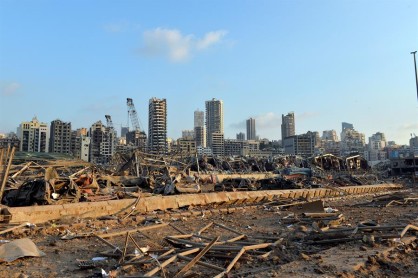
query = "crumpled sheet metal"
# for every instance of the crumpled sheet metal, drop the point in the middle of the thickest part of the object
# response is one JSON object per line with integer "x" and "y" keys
{"x": 19, "y": 248}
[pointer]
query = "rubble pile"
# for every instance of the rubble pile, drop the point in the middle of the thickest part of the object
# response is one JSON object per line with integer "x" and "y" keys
{"x": 46, "y": 179}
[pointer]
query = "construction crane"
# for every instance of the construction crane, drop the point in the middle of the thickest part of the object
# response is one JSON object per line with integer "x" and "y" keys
{"x": 132, "y": 114}
{"x": 109, "y": 121}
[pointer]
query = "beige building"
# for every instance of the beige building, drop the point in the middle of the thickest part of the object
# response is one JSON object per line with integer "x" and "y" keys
{"x": 33, "y": 136}
{"x": 218, "y": 144}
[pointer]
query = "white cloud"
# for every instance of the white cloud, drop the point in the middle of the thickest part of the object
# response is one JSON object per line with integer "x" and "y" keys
{"x": 10, "y": 89}
{"x": 171, "y": 43}
{"x": 210, "y": 39}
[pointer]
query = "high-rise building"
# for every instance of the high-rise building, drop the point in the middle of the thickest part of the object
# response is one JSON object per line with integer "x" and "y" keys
{"x": 157, "y": 126}
{"x": 199, "y": 118}
{"x": 288, "y": 125}
{"x": 33, "y": 136}
{"x": 60, "y": 137}
{"x": 214, "y": 119}
{"x": 251, "y": 134}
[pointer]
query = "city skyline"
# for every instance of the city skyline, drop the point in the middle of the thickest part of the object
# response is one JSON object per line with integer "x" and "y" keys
{"x": 328, "y": 61}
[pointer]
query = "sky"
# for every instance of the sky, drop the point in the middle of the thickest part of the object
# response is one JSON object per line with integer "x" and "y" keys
{"x": 326, "y": 61}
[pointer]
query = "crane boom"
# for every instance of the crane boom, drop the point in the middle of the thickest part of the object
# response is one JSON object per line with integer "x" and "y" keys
{"x": 132, "y": 114}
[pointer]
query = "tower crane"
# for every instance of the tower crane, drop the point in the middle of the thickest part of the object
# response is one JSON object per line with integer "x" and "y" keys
{"x": 109, "y": 121}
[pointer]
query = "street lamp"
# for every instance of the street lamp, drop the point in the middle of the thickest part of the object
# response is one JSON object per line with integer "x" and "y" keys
{"x": 415, "y": 67}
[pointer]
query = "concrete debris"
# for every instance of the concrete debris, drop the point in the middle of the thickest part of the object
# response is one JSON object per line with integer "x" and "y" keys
{"x": 19, "y": 248}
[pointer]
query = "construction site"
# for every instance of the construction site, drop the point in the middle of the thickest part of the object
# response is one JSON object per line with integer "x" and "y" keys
{"x": 147, "y": 215}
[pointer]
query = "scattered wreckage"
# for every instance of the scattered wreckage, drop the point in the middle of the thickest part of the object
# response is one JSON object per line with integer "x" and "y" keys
{"x": 201, "y": 240}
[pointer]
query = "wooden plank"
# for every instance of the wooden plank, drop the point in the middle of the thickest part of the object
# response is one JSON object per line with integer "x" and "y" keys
{"x": 205, "y": 228}
{"x": 169, "y": 261}
{"x": 235, "y": 260}
{"x": 115, "y": 248}
{"x": 13, "y": 228}
{"x": 142, "y": 229}
{"x": 227, "y": 228}
{"x": 214, "y": 267}
{"x": 196, "y": 259}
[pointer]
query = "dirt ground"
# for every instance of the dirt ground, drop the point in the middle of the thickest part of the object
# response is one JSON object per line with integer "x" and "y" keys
{"x": 299, "y": 248}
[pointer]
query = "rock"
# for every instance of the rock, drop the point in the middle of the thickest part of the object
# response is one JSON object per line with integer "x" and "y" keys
{"x": 305, "y": 257}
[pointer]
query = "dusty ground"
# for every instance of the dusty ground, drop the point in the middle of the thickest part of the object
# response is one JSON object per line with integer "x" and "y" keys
{"x": 294, "y": 256}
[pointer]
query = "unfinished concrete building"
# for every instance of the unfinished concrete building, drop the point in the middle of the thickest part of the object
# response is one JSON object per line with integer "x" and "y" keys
{"x": 33, "y": 136}
{"x": 214, "y": 120}
{"x": 157, "y": 126}
{"x": 60, "y": 137}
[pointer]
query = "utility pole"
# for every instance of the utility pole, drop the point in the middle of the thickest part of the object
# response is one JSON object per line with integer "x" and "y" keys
{"x": 415, "y": 67}
{"x": 414, "y": 175}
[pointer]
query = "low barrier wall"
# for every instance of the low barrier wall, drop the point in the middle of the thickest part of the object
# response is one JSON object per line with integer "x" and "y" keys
{"x": 40, "y": 214}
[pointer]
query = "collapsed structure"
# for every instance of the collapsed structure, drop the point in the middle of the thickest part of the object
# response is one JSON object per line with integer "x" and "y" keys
{"x": 149, "y": 199}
